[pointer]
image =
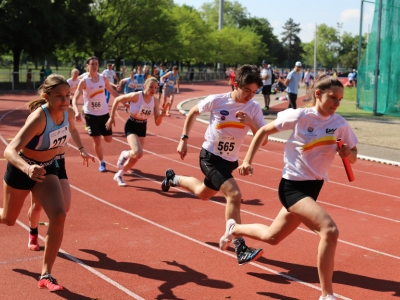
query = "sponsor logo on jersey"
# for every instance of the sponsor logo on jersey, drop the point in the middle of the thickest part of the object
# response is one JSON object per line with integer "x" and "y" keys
{"x": 331, "y": 130}
{"x": 224, "y": 112}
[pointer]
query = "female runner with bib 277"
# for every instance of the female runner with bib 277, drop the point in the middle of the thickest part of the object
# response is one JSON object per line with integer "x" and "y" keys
{"x": 142, "y": 105}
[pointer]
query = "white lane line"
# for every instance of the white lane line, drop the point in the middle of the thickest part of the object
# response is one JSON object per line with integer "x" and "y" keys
{"x": 194, "y": 240}
{"x": 90, "y": 269}
{"x": 18, "y": 260}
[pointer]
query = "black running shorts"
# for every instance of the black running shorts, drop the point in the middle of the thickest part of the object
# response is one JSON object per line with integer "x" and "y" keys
{"x": 216, "y": 169}
{"x": 17, "y": 179}
{"x": 134, "y": 126}
{"x": 97, "y": 125}
{"x": 291, "y": 191}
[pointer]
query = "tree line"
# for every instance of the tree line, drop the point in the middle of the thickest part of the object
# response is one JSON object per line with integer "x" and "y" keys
{"x": 142, "y": 30}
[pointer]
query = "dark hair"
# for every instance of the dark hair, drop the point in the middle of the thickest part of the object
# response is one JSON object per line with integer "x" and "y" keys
{"x": 175, "y": 68}
{"x": 91, "y": 58}
{"x": 51, "y": 82}
{"x": 322, "y": 83}
{"x": 248, "y": 74}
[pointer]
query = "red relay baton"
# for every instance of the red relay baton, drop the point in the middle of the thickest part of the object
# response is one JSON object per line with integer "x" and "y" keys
{"x": 346, "y": 163}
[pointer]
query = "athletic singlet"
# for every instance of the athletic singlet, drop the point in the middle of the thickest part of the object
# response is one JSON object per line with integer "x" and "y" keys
{"x": 53, "y": 136}
{"x": 162, "y": 73}
{"x": 170, "y": 82}
{"x": 141, "y": 110}
{"x": 73, "y": 84}
{"x": 94, "y": 99}
{"x": 140, "y": 81}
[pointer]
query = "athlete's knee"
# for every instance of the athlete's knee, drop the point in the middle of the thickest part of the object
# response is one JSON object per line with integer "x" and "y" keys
{"x": 331, "y": 233}
{"x": 136, "y": 154}
{"x": 108, "y": 139}
{"x": 58, "y": 217}
{"x": 234, "y": 197}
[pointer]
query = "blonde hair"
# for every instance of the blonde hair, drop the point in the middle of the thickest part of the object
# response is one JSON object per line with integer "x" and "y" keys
{"x": 322, "y": 83}
{"x": 50, "y": 83}
{"x": 150, "y": 80}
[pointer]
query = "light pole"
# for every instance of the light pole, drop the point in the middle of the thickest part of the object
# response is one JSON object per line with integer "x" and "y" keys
{"x": 340, "y": 26}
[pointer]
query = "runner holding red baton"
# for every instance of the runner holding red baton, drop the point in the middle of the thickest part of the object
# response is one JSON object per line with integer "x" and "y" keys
{"x": 346, "y": 162}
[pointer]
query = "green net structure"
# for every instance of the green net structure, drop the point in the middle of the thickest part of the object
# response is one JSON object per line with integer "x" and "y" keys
{"x": 388, "y": 93}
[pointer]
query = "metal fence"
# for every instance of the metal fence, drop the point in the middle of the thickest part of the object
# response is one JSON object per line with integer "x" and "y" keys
{"x": 18, "y": 81}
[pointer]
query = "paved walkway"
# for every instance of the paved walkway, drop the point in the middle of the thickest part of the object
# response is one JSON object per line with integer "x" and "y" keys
{"x": 366, "y": 151}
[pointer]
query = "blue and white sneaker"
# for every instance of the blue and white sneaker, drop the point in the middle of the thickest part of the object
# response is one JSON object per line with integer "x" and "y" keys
{"x": 246, "y": 254}
{"x": 102, "y": 167}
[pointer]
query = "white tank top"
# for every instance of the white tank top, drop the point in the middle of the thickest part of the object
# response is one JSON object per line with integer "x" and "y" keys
{"x": 141, "y": 110}
{"x": 94, "y": 99}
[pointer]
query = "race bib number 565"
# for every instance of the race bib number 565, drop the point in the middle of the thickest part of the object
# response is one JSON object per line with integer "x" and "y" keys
{"x": 226, "y": 146}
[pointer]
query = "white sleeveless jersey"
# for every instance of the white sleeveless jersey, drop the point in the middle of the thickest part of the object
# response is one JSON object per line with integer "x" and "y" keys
{"x": 225, "y": 134}
{"x": 73, "y": 84}
{"x": 94, "y": 99}
{"x": 141, "y": 110}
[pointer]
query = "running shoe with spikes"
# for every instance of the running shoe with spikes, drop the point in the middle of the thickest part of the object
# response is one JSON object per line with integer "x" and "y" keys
{"x": 227, "y": 237}
{"x": 33, "y": 243}
{"x": 119, "y": 180}
{"x": 166, "y": 183}
{"x": 49, "y": 282}
{"x": 246, "y": 254}
{"x": 121, "y": 160}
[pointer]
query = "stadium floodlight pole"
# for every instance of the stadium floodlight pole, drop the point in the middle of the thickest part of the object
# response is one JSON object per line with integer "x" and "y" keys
{"x": 315, "y": 52}
{"x": 377, "y": 57}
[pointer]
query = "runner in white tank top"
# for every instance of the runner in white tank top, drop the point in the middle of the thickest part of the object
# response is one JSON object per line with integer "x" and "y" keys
{"x": 142, "y": 105}
{"x": 95, "y": 106}
{"x": 73, "y": 82}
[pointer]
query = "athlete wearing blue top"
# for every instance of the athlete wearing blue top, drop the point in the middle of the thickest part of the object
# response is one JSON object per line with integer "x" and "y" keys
{"x": 292, "y": 82}
{"x": 170, "y": 79}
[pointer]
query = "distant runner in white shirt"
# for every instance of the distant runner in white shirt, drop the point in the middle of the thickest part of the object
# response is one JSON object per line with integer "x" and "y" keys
{"x": 110, "y": 74}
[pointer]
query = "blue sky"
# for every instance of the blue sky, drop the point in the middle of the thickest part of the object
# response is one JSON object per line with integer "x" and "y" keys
{"x": 307, "y": 13}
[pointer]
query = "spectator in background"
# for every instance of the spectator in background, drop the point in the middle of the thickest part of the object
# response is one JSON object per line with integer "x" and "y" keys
{"x": 208, "y": 72}
{"x": 191, "y": 75}
{"x": 110, "y": 74}
{"x": 41, "y": 74}
{"x": 266, "y": 76}
{"x": 292, "y": 83}
{"x": 29, "y": 79}
{"x": 48, "y": 71}
{"x": 232, "y": 76}
{"x": 355, "y": 77}
{"x": 307, "y": 76}
{"x": 350, "y": 78}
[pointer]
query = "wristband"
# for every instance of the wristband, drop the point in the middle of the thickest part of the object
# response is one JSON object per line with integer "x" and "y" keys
{"x": 81, "y": 148}
{"x": 27, "y": 172}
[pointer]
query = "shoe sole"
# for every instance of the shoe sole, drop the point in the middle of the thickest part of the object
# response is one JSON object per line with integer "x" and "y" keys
{"x": 259, "y": 254}
{"x": 164, "y": 187}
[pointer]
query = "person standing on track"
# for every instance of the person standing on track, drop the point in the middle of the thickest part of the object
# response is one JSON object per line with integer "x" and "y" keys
{"x": 142, "y": 105}
{"x": 95, "y": 107}
{"x": 36, "y": 208}
{"x": 73, "y": 82}
{"x": 111, "y": 75}
{"x": 32, "y": 167}
{"x": 231, "y": 116}
{"x": 170, "y": 79}
{"x": 163, "y": 71}
{"x": 292, "y": 84}
{"x": 309, "y": 153}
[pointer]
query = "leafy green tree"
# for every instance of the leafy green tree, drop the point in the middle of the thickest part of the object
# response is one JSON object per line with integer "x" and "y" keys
{"x": 194, "y": 36}
{"x": 234, "y": 13}
{"x": 39, "y": 27}
{"x": 348, "y": 54}
{"x": 291, "y": 41}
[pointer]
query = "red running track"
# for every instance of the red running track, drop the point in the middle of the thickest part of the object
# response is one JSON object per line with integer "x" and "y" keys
{"x": 139, "y": 242}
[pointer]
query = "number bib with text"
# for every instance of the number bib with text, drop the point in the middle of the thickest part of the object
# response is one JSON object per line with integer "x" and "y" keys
{"x": 226, "y": 146}
{"x": 145, "y": 111}
{"x": 95, "y": 104}
{"x": 171, "y": 83}
{"x": 59, "y": 137}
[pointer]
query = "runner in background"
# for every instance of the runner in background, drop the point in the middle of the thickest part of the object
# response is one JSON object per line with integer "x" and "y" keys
{"x": 142, "y": 105}
{"x": 95, "y": 107}
{"x": 163, "y": 71}
{"x": 170, "y": 79}
{"x": 110, "y": 74}
{"x": 73, "y": 83}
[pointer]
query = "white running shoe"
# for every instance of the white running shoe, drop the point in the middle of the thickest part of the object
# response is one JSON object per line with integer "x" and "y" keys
{"x": 121, "y": 160}
{"x": 328, "y": 297}
{"x": 119, "y": 180}
{"x": 227, "y": 237}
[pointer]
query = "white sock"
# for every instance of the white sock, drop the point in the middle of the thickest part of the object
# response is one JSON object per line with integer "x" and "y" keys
{"x": 101, "y": 161}
{"x": 120, "y": 173}
{"x": 125, "y": 154}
